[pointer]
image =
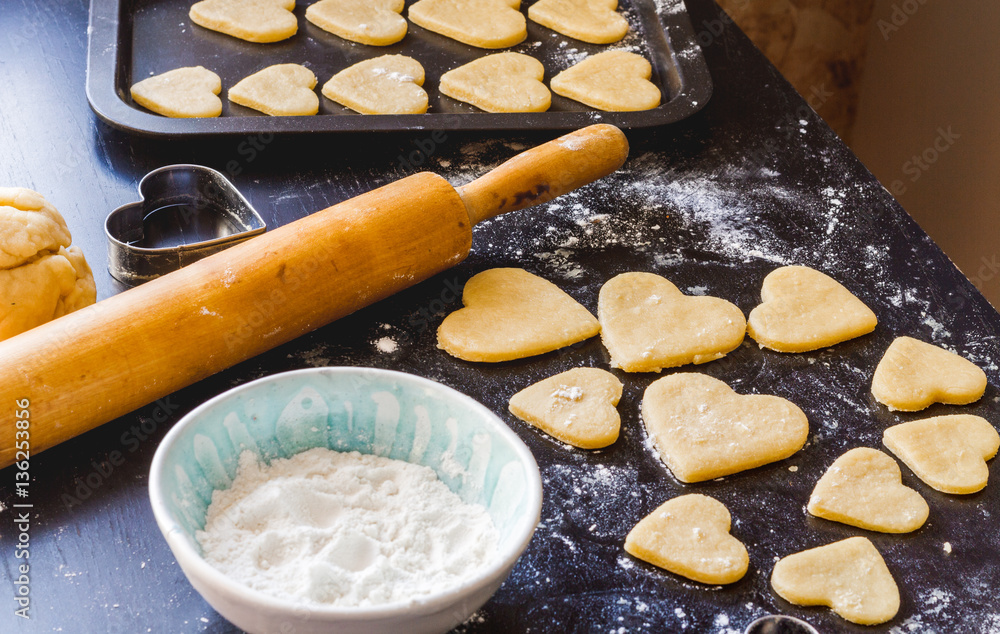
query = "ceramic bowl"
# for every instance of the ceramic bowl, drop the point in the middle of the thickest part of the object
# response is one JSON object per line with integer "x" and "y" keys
{"x": 371, "y": 411}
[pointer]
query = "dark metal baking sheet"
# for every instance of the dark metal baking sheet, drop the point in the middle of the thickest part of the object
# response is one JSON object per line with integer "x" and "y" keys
{"x": 133, "y": 39}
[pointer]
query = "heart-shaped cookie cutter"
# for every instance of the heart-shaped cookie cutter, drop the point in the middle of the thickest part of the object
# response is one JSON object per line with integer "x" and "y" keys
{"x": 780, "y": 624}
{"x": 177, "y": 203}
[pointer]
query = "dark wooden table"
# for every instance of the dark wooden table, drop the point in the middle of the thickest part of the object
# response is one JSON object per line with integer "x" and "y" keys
{"x": 753, "y": 181}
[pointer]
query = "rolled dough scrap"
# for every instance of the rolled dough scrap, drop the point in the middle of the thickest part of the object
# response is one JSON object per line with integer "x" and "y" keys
{"x": 912, "y": 375}
{"x": 948, "y": 453}
{"x": 689, "y": 536}
{"x": 41, "y": 276}
{"x": 260, "y": 21}
{"x": 864, "y": 488}
{"x": 390, "y": 84}
{"x": 502, "y": 82}
{"x": 511, "y": 314}
{"x": 704, "y": 430}
{"x": 181, "y": 93}
{"x": 849, "y": 576}
{"x": 480, "y": 23}
{"x": 804, "y": 309}
{"x": 279, "y": 90}
{"x": 372, "y": 22}
{"x": 576, "y": 407}
{"x": 612, "y": 80}
{"x": 594, "y": 21}
{"x": 648, "y": 324}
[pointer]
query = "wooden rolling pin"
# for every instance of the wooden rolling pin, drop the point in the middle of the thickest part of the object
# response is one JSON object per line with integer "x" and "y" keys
{"x": 99, "y": 363}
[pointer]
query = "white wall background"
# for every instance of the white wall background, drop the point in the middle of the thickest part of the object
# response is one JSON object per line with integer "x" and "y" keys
{"x": 938, "y": 71}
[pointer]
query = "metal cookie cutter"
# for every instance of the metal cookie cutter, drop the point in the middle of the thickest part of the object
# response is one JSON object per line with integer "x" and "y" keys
{"x": 780, "y": 624}
{"x": 185, "y": 213}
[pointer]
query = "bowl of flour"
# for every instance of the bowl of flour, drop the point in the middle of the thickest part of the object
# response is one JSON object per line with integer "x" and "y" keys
{"x": 345, "y": 499}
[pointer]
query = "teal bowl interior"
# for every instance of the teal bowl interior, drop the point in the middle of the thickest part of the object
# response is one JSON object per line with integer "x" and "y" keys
{"x": 378, "y": 412}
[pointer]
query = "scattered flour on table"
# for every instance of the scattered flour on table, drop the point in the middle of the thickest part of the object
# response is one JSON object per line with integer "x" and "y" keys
{"x": 933, "y": 603}
{"x": 715, "y": 206}
{"x": 670, "y": 7}
{"x": 344, "y": 529}
{"x": 386, "y": 344}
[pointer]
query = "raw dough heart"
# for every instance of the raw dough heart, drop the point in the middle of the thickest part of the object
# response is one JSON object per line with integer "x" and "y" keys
{"x": 864, "y": 488}
{"x": 704, "y": 430}
{"x": 612, "y": 80}
{"x": 183, "y": 92}
{"x": 512, "y": 314}
{"x": 948, "y": 453}
{"x": 576, "y": 407}
{"x": 390, "y": 84}
{"x": 252, "y": 20}
{"x": 502, "y": 82}
{"x": 481, "y": 23}
{"x": 912, "y": 375}
{"x": 593, "y": 21}
{"x": 804, "y": 310}
{"x": 689, "y": 536}
{"x": 279, "y": 90}
{"x": 373, "y": 22}
{"x": 648, "y": 324}
{"x": 849, "y": 576}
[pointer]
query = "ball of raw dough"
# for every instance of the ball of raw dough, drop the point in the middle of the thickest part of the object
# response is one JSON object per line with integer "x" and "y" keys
{"x": 41, "y": 276}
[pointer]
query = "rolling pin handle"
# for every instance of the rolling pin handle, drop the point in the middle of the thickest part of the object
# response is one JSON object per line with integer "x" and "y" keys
{"x": 545, "y": 172}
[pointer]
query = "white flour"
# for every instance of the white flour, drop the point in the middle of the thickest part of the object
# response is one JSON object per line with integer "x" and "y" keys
{"x": 344, "y": 529}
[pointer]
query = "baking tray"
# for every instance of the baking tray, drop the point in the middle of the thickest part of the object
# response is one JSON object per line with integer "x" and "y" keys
{"x": 133, "y": 39}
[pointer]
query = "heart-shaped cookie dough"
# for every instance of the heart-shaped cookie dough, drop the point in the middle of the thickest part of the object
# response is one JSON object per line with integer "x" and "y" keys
{"x": 182, "y": 93}
{"x": 648, "y": 324}
{"x": 849, "y": 576}
{"x": 594, "y": 21}
{"x": 372, "y": 22}
{"x": 704, "y": 430}
{"x": 912, "y": 375}
{"x": 502, "y": 82}
{"x": 948, "y": 453}
{"x": 252, "y": 20}
{"x": 616, "y": 81}
{"x": 864, "y": 488}
{"x": 480, "y": 23}
{"x": 689, "y": 536}
{"x": 511, "y": 314}
{"x": 576, "y": 407}
{"x": 279, "y": 90}
{"x": 804, "y": 310}
{"x": 390, "y": 84}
